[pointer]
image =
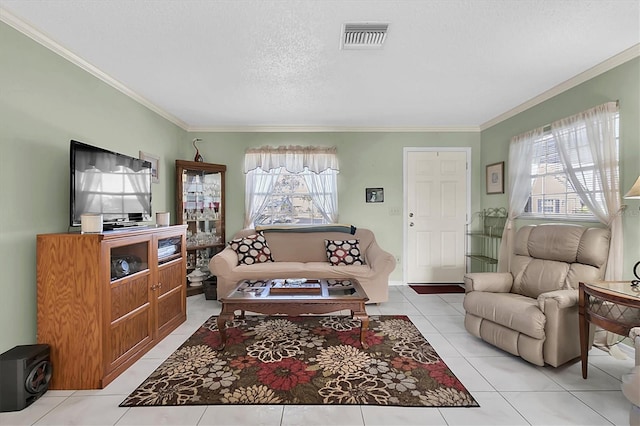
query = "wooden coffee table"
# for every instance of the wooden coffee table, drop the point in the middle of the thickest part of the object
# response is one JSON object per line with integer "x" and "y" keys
{"x": 294, "y": 297}
{"x": 612, "y": 305}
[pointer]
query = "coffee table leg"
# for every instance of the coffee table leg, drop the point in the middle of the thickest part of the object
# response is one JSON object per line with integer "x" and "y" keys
{"x": 222, "y": 327}
{"x": 364, "y": 326}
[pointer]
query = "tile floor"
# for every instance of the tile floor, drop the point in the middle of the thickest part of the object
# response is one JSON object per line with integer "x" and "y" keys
{"x": 509, "y": 390}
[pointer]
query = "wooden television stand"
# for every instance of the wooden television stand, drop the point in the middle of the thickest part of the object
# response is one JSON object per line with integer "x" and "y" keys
{"x": 105, "y": 299}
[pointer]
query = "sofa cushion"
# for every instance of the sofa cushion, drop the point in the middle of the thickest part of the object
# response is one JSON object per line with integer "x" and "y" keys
{"x": 335, "y": 271}
{"x": 343, "y": 252}
{"x": 271, "y": 270}
{"x": 513, "y": 311}
{"x": 557, "y": 242}
{"x": 594, "y": 247}
{"x": 301, "y": 270}
{"x": 540, "y": 276}
{"x": 579, "y": 272}
{"x": 251, "y": 249}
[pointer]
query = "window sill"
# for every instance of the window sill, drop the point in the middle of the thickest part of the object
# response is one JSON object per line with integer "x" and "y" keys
{"x": 563, "y": 219}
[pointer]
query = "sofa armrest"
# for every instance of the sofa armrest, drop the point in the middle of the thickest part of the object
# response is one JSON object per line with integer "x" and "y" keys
{"x": 380, "y": 261}
{"x": 562, "y": 298}
{"x": 223, "y": 262}
{"x": 492, "y": 282}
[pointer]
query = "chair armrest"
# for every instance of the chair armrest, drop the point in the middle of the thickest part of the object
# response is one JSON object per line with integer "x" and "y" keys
{"x": 563, "y": 298}
{"x": 492, "y": 282}
{"x": 223, "y": 262}
{"x": 380, "y": 261}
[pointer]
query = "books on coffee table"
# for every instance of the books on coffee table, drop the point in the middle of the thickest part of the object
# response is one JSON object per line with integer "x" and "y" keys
{"x": 296, "y": 286}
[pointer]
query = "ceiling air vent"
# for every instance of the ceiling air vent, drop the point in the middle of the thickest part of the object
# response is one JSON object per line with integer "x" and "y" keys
{"x": 364, "y": 35}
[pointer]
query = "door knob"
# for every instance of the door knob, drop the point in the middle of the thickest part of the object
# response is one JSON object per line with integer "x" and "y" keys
{"x": 410, "y": 223}
{"x": 410, "y": 214}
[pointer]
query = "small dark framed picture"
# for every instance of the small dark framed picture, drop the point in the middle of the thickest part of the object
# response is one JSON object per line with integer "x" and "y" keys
{"x": 374, "y": 195}
{"x": 495, "y": 178}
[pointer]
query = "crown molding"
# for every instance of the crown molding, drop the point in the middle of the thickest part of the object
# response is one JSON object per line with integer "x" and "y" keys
{"x": 41, "y": 38}
{"x": 601, "y": 68}
{"x": 334, "y": 129}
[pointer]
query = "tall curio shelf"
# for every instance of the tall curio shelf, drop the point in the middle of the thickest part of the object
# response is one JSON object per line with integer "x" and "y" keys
{"x": 484, "y": 236}
{"x": 200, "y": 204}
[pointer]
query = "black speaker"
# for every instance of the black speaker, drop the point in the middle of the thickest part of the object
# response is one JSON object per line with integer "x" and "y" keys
{"x": 25, "y": 373}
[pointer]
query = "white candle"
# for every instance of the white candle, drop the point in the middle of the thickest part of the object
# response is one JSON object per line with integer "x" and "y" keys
{"x": 91, "y": 223}
{"x": 162, "y": 218}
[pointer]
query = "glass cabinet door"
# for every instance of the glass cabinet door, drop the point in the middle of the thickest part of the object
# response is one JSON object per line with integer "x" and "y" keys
{"x": 129, "y": 259}
{"x": 200, "y": 205}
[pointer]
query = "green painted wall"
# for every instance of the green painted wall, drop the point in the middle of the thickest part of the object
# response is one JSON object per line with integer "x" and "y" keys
{"x": 621, "y": 83}
{"x": 366, "y": 160}
{"x": 44, "y": 102}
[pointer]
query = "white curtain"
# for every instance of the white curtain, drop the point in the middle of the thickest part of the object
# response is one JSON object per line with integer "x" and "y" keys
{"x": 258, "y": 187}
{"x": 589, "y": 138}
{"x": 324, "y": 193}
{"x": 521, "y": 156}
{"x": 293, "y": 158}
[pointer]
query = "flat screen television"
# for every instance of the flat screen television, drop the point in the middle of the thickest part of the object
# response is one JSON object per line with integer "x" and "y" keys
{"x": 105, "y": 182}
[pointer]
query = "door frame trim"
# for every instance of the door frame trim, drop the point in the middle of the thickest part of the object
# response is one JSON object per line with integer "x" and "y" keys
{"x": 405, "y": 178}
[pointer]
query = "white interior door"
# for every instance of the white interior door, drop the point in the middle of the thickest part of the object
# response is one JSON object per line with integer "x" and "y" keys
{"x": 436, "y": 210}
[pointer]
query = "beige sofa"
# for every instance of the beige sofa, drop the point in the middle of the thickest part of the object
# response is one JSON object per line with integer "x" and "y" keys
{"x": 532, "y": 311}
{"x": 303, "y": 255}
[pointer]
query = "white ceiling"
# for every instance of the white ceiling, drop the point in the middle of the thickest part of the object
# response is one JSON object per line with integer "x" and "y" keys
{"x": 257, "y": 64}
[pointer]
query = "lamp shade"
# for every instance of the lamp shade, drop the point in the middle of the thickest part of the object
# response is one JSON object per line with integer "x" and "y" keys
{"x": 634, "y": 192}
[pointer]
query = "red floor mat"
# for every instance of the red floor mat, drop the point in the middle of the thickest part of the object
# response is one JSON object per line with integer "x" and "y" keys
{"x": 436, "y": 288}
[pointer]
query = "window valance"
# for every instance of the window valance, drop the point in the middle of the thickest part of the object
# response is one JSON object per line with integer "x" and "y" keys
{"x": 293, "y": 158}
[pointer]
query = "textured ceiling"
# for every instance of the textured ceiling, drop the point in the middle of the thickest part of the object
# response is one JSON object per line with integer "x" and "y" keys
{"x": 253, "y": 64}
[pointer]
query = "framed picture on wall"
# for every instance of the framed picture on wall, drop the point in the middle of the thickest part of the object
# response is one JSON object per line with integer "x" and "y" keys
{"x": 155, "y": 165}
{"x": 495, "y": 178}
{"x": 374, "y": 195}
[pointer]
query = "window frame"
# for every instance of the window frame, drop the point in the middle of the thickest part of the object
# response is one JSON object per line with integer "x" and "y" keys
{"x": 282, "y": 171}
{"x": 562, "y": 198}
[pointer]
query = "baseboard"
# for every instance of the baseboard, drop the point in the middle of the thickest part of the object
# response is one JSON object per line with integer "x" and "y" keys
{"x": 393, "y": 283}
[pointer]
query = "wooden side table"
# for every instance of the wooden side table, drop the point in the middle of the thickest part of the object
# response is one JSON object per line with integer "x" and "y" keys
{"x": 612, "y": 305}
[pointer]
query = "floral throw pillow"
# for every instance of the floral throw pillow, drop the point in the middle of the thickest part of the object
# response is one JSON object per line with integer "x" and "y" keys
{"x": 343, "y": 252}
{"x": 251, "y": 249}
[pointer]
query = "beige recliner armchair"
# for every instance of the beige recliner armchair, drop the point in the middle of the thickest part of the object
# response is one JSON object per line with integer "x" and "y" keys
{"x": 532, "y": 311}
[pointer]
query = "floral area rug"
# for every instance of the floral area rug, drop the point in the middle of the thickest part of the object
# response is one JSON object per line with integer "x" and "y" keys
{"x": 304, "y": 360}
